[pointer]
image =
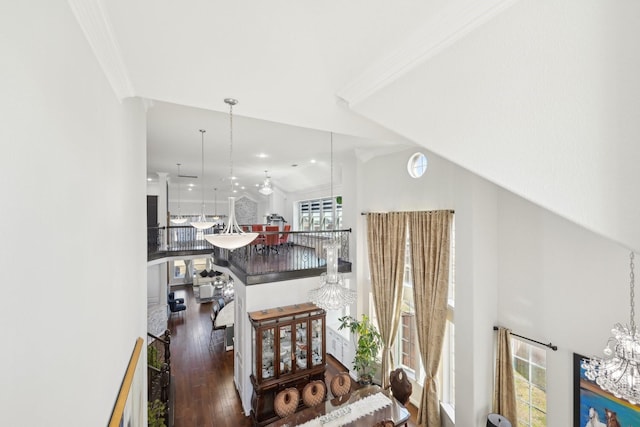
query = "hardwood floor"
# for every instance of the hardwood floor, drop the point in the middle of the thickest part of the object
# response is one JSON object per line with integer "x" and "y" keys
{"x": 203, "y": 374}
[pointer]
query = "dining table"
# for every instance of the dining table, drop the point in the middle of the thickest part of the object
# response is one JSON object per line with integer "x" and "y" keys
{"x": 361, "y": 408}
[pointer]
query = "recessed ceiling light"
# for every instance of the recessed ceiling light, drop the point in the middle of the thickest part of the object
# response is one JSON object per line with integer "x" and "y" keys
{"x": 313, "y": 160}
{"x": 233, "y": 178}
{"x": 236, "y": 183}
{"x": 262, "y": 155}
{"x": 191, "y": 184}
{"x": 235, "y": 191}
{"x": 242, "y": 187}
{"x": 149, "y": 179}
{"x": 257, "y": 185}
{"x": 189, "y": 189}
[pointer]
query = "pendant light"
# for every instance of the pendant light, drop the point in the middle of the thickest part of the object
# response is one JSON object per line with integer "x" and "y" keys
{"x": 180, "y": 219}
{"x": 215, "y": 204}
{"x": 332, "y": 294}
{"x": 201, "y": 223}
{"x": 266, "y": 188}
{"x": 232, "y": 237}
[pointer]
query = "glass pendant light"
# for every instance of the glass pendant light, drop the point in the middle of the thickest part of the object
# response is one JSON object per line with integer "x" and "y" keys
{"x": 232, "y": 237}
{"x": 179, "y": 219}
{"x": 266, "y": 188}
{"x": 201, "y": 223}
{"x": 332, "y": 294}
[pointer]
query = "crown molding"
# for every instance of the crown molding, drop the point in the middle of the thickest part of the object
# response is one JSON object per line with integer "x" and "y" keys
{"x": 96, "y": 27}
{"x": 454, "y": 22}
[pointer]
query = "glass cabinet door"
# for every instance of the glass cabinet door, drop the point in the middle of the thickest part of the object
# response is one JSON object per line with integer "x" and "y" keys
{"x": 301, "y": 345}
{"x": 285, "y": 350}
{"x": 316, "y": 342}
{"x": 268, "y": 355}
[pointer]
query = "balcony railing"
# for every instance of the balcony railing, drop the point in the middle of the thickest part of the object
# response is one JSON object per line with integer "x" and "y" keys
{"x": 290, "y": 255}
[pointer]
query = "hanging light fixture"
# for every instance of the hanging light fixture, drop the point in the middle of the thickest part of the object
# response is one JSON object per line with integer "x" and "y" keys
{"x": 618, "y": 372}
{"x": 201, "y": 223}
{"x": 180, "y": 219}
{"x": 332, "y": 294}
{"x": 232, "y": 237}
{"x": 215, "y": 204}
{"x": 266, "y": 188}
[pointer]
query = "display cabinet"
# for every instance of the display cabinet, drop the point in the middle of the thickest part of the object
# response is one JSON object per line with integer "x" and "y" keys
{"x": 289, "y": 350}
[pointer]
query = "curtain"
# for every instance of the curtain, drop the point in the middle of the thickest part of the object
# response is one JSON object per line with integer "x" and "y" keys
{"x": 504, "y": 391}
{"x": 386, "y": 241}
{"x": 430, "y": 234}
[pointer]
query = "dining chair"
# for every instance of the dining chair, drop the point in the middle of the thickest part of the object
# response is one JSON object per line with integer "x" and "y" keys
{"x": 384, "y": 423}
{"x": 286, "y": 402}
{"x": 314, "y": 393}
{"x": 340, "y": 384}
{"x": 271, "y": 238}
{"x": 401, "y": 387}
{"x": 283, "y": 239}
{"x": 260, "y": 239}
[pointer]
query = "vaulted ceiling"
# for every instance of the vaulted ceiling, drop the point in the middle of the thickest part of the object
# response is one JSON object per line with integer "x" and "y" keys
{"x": 540, "y": 97}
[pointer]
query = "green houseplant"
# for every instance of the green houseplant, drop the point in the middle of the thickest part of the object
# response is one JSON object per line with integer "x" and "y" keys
{"x": 368, "y": 345}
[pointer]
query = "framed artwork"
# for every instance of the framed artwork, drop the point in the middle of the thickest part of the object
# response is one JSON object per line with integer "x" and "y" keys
{"x": 130, "y": 406}
{"x": 594, "y": 407}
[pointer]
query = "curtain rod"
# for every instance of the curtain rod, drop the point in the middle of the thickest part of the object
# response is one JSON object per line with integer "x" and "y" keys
{"x": 551, "y": 346}
{"x": 364, "y": 213}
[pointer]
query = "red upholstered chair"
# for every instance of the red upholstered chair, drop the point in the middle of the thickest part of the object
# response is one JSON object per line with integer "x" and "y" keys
{"x": 284, "y": 237}
{"x": 258, "y": 242}
{"x": 271, "y": 238}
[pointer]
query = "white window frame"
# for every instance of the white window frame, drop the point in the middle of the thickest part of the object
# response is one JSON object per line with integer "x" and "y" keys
{"x": 531, "y": 364}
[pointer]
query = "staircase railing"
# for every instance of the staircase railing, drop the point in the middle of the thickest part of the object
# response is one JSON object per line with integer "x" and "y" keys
{"x": 159, "y": 374}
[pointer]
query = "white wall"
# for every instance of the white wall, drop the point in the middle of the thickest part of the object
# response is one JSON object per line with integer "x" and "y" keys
{"x": 542, "y": 100}
{"x": 73, "y": 223}
{"x": 559, "y": 283}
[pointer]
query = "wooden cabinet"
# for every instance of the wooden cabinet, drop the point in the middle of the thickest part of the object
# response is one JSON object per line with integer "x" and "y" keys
{"x": 289, "y": 350}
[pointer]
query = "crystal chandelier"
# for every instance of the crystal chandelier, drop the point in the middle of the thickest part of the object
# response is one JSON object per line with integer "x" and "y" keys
{"x": 201, "y": 223}
{"x": 179, "y": 219}
{"x": 266, "y": 188}
{"x": 332, "y": 294}
{"x": 618, "y": 372}
{"x": 232, "y": 237}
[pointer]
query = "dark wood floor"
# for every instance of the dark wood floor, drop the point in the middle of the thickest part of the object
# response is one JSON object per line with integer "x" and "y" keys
{"x": 203, "y": 374}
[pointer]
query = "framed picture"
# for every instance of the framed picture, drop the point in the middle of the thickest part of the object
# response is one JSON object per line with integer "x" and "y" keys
{"x": 594, "y": 407}
{"x": 129, "y": 408}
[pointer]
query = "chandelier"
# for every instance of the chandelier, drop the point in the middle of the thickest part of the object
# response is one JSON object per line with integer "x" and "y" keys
{"x": 332, "y": 294}
{"x": 266, "y": 188}
{"x": 232, "y": 237}
{"x": 201, "y": 223}
{"x": 618, "y": 371}
{"x": 179, "y": 219}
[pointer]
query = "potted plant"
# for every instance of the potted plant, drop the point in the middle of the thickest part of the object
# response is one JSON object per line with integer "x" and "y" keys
{"x": 369, "y": 343}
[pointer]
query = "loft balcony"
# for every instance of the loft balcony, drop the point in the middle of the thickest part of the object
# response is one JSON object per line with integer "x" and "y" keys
{"x": 297, "y": 254}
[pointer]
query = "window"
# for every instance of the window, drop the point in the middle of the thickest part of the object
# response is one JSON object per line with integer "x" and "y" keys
{"x": 407, "y": 350}
{"x": 530, "y": 372}
{"x": 318, "y": 215}
{"x": 417, "y": 165}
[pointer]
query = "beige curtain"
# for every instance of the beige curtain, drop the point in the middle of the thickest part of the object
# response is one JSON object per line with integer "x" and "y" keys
{"x": 504, "y": 390}
{"x": 386, "y": 240}
{"x": 430, "y": 234}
